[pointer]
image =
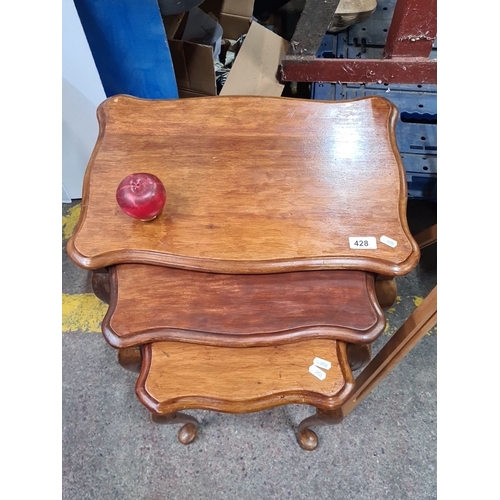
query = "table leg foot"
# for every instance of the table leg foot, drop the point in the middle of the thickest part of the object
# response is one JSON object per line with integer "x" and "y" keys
{"x": 307, "y": 439}
{"x": 187, "y": 433}
{"x": 358, "y": 355}
{"x": 387, "y": 292}
{"x": 130, "y": 358}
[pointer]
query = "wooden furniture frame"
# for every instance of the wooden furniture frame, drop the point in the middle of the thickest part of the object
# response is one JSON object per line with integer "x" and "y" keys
{"x": 284, "y": 228}
{"x": 406, "y": 54}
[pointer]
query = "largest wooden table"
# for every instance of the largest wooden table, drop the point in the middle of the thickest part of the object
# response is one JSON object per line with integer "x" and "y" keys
{"x": 284, "y": 226}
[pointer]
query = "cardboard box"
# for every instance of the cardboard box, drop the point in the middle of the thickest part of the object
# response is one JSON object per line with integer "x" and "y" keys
{"x": 234, "y": 16}
{"x": 255, "y": 68}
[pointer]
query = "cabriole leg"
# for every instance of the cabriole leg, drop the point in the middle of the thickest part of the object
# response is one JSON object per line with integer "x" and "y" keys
{"x": 308, "y": 440}
{"x": 100, "y": 284}
{"x": 130, "y": 358}
{"x": 187, "y": 433}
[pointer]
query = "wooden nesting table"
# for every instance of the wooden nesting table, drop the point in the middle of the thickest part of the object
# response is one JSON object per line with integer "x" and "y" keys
{"x": 284, "y": 227}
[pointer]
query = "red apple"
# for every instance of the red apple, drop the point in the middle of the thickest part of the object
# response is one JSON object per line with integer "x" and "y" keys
{"x": 142, "y": 196}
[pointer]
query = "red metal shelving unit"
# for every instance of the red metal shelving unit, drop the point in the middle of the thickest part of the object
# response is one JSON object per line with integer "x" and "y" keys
{"x": 406, "y": 55}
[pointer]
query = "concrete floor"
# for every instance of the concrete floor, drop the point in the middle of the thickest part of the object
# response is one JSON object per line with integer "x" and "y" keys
{"x": 386, "y": 449}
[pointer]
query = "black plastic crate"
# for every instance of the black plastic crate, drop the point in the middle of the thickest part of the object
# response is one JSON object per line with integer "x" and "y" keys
{"x": 416, "y": 128}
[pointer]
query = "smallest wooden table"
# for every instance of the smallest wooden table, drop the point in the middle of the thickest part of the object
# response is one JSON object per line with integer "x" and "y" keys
{"x": 177, "y": 376}
{"x": 284, "y": 227}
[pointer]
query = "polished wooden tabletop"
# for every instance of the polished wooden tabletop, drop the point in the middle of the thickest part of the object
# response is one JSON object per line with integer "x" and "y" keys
{"x": 240, "y": 310}
{"x": 254, "y": 185}
{"x": 176, "y": 376}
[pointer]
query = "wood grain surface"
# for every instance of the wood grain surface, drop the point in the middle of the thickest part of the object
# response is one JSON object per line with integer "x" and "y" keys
{"x": 177, "y": 376}
{"x": 154, "y": 303}
{"x": 254, "y": 185}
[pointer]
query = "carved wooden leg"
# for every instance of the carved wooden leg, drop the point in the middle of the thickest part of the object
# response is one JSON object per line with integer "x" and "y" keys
{"x": 386, "y": 291}
{"x": 308, "y": 440}
{"x": 100, "y": 284}
{"x": 358, "y": 355}
{"x": 130, "y": 358}
{"x": 187, "y": 433}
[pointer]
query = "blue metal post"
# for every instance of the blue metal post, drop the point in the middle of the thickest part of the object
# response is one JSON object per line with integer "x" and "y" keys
{"x": 129, "y": 45}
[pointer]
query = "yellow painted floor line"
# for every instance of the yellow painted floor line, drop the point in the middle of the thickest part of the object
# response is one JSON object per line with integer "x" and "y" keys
{"x": 82, "y": 312}
{"x": 70, "y": 220}
{"x": 391, "y": 330}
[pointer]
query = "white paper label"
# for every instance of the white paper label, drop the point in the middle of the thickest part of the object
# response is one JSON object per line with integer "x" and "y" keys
{"x": 388, "y": 241}
{"x": 363, "y": 242}
{"x": 322, "y": 363}
{"x": 314, "y": 370}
